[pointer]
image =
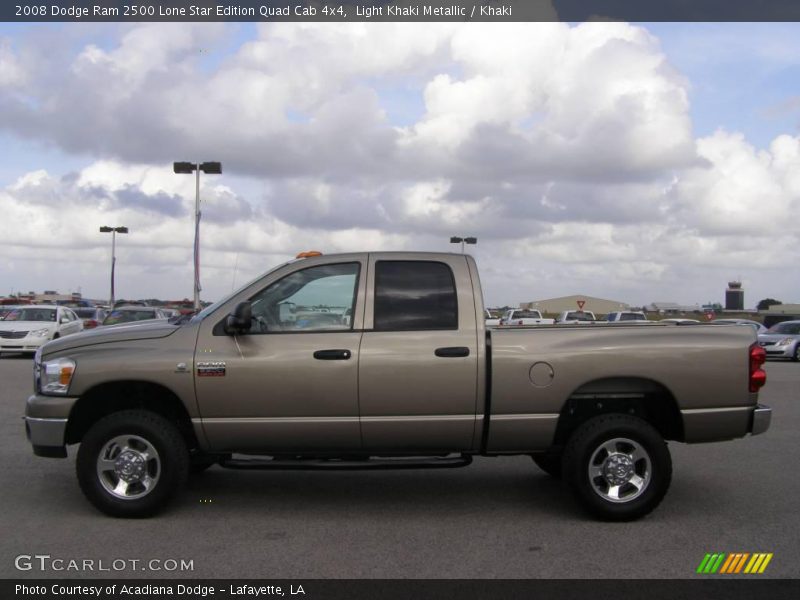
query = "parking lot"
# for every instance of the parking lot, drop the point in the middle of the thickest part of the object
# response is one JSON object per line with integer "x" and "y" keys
{"x": 499, "y": 518}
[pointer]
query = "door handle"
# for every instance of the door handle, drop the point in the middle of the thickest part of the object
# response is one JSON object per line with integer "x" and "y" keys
{"x": 332, "y": 354}
{"x": 452, "y": 352}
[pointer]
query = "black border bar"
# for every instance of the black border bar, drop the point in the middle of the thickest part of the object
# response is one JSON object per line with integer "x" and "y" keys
{"x": 711, "y": 587}
{"x": 399, "y": 10}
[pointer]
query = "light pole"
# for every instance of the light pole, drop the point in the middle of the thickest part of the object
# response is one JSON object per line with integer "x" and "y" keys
{"x": 209, "y": 168}
{"x": 113, "y": 231}
{"x": 463, "y": 240}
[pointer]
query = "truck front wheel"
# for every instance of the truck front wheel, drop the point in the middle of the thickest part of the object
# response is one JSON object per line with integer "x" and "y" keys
{"x": 618, "y": 466}
{"x": 131, "y": 463}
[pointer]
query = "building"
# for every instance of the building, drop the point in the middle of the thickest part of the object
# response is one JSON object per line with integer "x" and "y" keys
{"x": 46, "y": 297}
{"x": 780, "y": 312}
{"x": 672, "y": 308}
{"x": 599, "y": 306}
{"x": 734, "y": 296}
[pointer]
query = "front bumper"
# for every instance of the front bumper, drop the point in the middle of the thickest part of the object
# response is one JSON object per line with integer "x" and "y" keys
{"x": 26, "y": 344}
{"x": 46, "y": 436}
{"x": 762, "y": 417}
{"x": 46, "y": 423}
{"x": 779, "y": 351}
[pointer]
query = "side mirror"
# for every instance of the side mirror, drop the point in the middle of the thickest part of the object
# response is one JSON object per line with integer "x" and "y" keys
{"x": 240, "y": 319}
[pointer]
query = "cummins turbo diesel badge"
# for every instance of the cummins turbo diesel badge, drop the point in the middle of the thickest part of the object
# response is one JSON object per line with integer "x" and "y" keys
{"x": 214, "y": 368}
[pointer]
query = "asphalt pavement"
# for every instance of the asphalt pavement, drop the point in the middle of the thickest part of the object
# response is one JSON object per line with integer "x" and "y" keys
{"x": 498, "y": 518}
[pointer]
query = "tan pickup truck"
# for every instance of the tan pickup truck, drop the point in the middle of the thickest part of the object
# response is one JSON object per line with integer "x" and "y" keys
{"x": 383, "y": 360}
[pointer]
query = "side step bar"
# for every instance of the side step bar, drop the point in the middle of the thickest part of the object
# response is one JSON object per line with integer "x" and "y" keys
{"x": 403, "y": 462}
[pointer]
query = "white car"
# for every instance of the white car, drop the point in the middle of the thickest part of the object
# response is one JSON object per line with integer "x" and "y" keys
{"x": 518, "y": 316}
{"x": 26, "y": 328}
{"x": 572, "y": 317}
{"x": 626, "y": 315}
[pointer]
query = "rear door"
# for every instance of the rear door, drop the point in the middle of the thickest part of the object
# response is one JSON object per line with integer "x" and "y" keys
{"x": 418, "y": 365}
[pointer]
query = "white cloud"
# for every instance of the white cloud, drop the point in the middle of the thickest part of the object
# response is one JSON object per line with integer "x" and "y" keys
{"x": 11, "y": 72}
{"x": 567, "y": 150}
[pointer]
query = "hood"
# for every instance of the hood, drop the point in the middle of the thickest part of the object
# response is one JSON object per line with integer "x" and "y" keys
{"x": 112, "y": 333}
{"x": 774, "y": 337}
{"x": 26, "y": 325}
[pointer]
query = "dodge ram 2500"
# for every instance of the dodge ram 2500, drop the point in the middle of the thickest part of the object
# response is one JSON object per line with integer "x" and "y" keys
{"x": 384, "y": 361}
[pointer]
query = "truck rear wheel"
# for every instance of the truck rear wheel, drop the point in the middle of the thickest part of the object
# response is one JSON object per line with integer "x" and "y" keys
{"x": 131, "y": 463}
{"x": 618, "y": 466}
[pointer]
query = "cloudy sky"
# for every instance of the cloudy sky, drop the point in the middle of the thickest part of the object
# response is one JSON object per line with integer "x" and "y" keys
{"x": 634, "y": 162}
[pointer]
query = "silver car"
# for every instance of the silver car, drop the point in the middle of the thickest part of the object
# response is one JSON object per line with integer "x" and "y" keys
{"x": 754, "y": 324}
{"x": 782, "y": 340}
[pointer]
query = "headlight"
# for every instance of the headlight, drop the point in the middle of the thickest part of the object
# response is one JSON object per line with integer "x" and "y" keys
{"x": 40, "y": 332}
{"x": 786, "y": 341}
{"x": 56, "y": 376}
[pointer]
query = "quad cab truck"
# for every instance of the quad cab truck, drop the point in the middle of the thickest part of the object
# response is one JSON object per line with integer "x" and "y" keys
{"x": 391, "y": 366}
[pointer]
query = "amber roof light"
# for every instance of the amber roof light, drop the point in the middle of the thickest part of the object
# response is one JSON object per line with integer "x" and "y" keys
{"x": 309, "y": 254}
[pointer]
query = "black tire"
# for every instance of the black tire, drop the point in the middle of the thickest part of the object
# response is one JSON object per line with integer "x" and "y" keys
{"x": 796, "y": 355}
{"x": 549, "y": 463}
{"x": 147, "y": 444}
{"x": 640, "y": 465}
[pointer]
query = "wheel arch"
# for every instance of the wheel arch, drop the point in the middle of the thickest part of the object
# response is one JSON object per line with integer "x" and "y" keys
{"x": 110, "y": 397}
{"x": 638, "y": 396}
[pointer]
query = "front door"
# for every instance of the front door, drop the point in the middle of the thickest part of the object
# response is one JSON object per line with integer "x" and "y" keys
{"x": 291, "y": 382}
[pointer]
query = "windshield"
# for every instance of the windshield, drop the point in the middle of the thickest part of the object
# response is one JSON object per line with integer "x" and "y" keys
{"x": 578, "y": 316}
{"x": 790, "y": 327}
{"x": 32, "y": 314}
{"x": 632, "y": 317}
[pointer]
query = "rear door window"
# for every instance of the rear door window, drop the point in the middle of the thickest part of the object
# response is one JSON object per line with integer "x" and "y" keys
{"x": 414, "y": 295}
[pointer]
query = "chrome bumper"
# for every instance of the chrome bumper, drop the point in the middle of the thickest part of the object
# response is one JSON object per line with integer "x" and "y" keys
{"x": 46, "y": 436}
{"x": 762, "y": 415}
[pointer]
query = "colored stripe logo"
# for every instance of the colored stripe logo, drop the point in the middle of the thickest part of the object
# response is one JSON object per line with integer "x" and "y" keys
{"x": 734, "y": 563}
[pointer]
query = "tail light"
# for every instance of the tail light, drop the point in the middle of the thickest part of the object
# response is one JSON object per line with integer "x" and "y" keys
{"x": 89, "y": 324}
{"x": 758, "y": 377}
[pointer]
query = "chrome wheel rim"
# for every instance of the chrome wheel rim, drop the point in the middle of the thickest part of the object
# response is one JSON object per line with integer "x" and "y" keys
{"x": 128, "y": 467}
{"x": 620, "y": 470}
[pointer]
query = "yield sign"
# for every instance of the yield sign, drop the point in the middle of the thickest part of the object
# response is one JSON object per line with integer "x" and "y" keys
{"x": 580, "y": 304}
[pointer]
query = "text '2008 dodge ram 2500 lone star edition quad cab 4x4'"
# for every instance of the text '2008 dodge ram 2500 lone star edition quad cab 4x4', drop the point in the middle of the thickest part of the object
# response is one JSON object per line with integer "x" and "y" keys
{"x": 383, "y": 360}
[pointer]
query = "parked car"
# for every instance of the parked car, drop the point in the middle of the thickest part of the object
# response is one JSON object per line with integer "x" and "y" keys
{"x": 782, "y": 340}
{"x": 130, "y": 314}
{"x": 121, "y": 303}
{"x": 415, "y": 380}
{"x": 26, "y": 328}
{"x": 625, "y": 315}
{"x": 678, "y": 321}
{"x": 573, "y": 317}
{"x": 517, "y": 316}
{"x": 490, "y": 320}
{"x": 91, "y": 316}
{"x": 754, "y": 324}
